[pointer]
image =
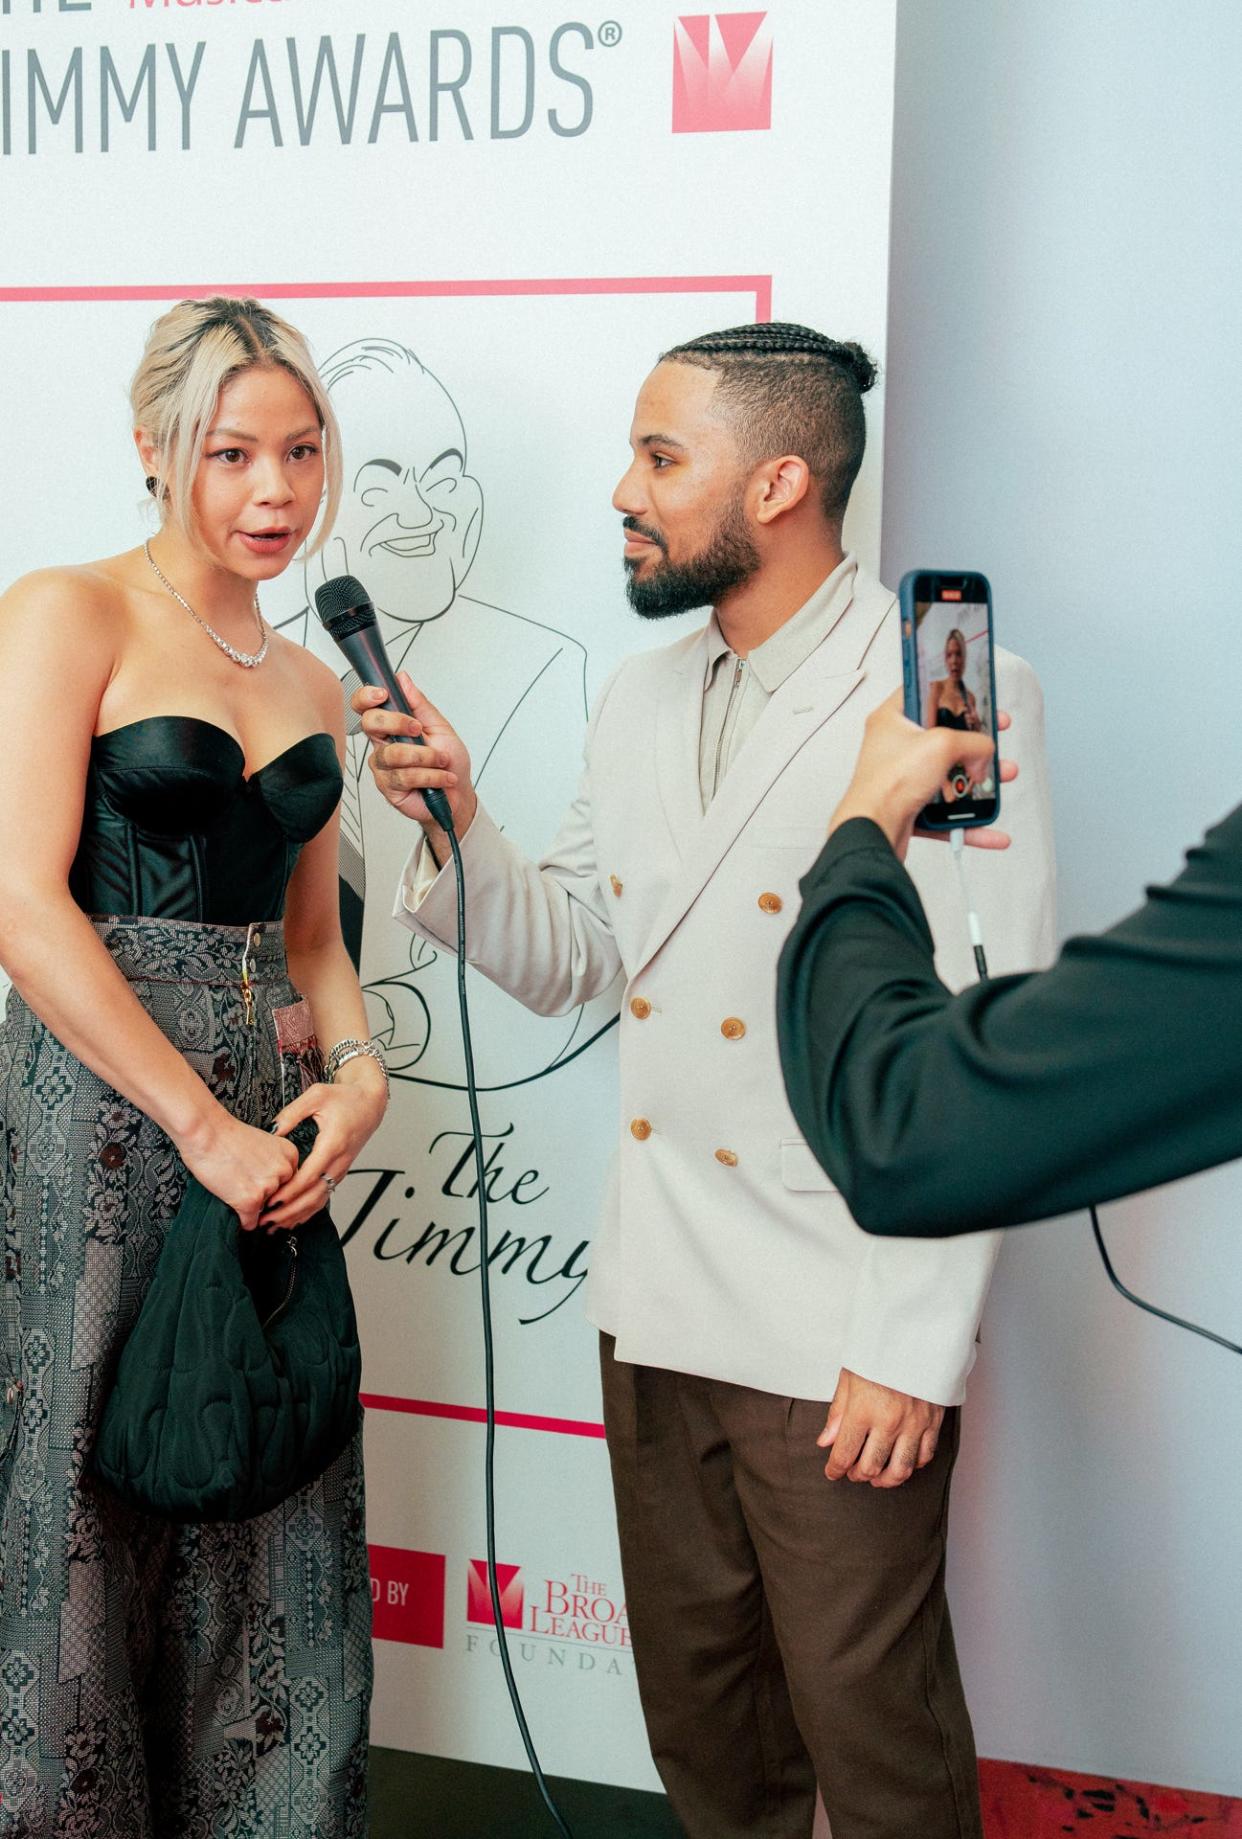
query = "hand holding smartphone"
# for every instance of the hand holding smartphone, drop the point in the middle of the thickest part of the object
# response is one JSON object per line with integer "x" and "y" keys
{"x": 950, "y": 682}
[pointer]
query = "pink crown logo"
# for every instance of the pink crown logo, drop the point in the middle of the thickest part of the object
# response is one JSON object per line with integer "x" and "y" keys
{"x": 722, "y": 73}
{"x": 479, "y": 1596}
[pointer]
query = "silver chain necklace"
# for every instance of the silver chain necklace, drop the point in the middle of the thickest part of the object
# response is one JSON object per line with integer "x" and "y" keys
{"x": 249, "y": 660}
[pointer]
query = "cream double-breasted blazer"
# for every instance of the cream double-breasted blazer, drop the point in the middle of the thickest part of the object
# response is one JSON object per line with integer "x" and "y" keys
{"x": 724, "y": 1249}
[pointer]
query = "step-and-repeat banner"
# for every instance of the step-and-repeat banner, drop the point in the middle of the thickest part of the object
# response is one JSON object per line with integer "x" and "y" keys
{"x": 489, "y": 221}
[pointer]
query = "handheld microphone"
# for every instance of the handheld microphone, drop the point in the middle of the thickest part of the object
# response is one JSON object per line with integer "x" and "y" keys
{"x": 345, "y": 610}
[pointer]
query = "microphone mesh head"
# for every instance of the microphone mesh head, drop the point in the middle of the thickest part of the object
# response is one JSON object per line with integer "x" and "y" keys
{"x": 342, "y": 595}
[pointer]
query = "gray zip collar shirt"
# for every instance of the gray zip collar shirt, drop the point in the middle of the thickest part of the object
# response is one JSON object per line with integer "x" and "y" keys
{"x": 737, "y": 690}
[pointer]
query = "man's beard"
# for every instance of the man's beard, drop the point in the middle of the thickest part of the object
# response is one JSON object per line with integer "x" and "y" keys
{"x": 729, "y": 559}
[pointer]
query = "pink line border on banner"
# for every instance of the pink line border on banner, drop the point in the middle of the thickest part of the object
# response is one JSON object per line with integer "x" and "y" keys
{"x": 475, "y": 1414}
{"x": 759, "y": 285}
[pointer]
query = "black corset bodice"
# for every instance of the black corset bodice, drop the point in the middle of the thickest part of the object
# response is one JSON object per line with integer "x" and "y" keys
{"x": 172, "y": 828}
{"x": 945, "y": 718}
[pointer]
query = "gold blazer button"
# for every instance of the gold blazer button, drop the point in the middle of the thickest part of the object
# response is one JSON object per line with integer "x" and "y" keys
{"x": 771, "y": 903}
{"x": 614, "y": 884}
{"x": 733, "y": 1028}
{"x": 728, "y": 1157}
{"x": 640, "y": 1008}
{"x": 641, "y": 1129}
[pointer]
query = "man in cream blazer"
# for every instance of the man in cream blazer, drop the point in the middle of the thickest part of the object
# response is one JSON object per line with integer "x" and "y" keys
{"x": 788, "y": 1624}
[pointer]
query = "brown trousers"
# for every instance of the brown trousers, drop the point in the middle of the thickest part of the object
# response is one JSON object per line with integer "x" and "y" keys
{"x": 786, "y": 1629}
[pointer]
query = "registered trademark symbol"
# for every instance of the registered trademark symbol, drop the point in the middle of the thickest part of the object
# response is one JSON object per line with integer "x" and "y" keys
{"x": 609, "y": 33}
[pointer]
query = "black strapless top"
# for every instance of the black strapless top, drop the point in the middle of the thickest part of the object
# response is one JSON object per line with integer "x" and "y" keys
{"x": 945, "y": 718}
{"x": 172, "y": 828}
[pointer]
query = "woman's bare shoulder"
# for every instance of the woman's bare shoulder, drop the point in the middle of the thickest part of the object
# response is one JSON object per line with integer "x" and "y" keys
{"x": 75, "y": 592}
{"x": 318, "y": 680}
{"x": 78, "y": 608}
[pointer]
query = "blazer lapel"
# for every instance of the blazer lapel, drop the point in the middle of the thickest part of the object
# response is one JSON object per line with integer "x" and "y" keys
{"x": 678, "y": 725}
{"x": 799, "y": 708}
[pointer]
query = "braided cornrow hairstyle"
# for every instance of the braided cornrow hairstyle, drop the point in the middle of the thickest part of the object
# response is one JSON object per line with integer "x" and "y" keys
{"x": 793, "y": 390}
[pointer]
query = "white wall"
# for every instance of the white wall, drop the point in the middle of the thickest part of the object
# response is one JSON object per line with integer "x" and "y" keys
{"x": 1064, "y": 400}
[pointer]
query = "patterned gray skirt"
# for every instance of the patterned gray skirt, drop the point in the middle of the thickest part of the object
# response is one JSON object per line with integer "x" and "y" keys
{"x": 157, "y": 1681}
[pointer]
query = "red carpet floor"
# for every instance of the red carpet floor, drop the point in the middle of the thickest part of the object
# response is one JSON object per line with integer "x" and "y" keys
{"x": 425, "y": 1797}
{"x": 1025, "y": 1803}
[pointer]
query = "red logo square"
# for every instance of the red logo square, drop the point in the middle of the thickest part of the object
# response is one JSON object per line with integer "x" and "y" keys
{"x": 479, "y": 1596}
{"x": 722, "y": 73}
{"x": 407, "y": 1596}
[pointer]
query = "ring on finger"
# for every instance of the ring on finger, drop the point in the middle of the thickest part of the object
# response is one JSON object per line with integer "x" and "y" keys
{"x": 329, "y": 1182}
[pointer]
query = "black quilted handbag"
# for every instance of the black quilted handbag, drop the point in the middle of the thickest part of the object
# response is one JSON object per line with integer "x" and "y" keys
{"x": 239, "y": 1381}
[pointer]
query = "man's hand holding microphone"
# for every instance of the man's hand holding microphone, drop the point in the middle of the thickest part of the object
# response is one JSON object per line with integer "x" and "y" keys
{"x": 403, "y": 770}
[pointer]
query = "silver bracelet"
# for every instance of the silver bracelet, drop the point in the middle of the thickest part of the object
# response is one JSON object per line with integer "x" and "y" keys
{"x": 353, "y": 1049}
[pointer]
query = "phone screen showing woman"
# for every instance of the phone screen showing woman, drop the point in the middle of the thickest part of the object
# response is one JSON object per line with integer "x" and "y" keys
{"x": 956, "y": 686}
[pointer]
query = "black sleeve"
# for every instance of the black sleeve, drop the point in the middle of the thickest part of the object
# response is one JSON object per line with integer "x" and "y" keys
{"x": 1119, "y": 1068}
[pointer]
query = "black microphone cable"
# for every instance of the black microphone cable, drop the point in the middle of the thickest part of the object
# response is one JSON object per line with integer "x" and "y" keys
{"x": 1164, "y": 1315}
{"x": 489, "y": 1354}
{"x": 348, "y": 617}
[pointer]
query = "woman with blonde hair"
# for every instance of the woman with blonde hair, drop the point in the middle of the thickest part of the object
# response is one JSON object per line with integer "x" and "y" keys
{"x": 950, "y": 704}
{"x": 168, "y": 830}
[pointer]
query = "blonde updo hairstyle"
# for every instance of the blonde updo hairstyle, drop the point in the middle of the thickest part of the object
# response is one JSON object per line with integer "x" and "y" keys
{"x": 192, "y": 351}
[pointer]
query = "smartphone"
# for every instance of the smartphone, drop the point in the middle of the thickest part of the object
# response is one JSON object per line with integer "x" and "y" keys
{"x": 950, "y": 682}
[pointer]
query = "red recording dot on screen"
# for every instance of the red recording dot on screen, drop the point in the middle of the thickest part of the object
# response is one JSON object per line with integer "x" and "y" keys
{"x": 950, "y": 593}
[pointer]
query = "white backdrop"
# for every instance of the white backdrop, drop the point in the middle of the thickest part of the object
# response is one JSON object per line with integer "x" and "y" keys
{"x": 1065, "y": 394}
{"x": 534, "y": 207}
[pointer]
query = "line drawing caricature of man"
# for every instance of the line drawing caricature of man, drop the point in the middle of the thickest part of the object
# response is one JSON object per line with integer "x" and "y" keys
{"x": 409, "y": 529}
